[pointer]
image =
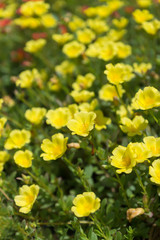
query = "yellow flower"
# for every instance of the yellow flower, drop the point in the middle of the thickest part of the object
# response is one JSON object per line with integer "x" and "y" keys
{"x": 88, "y": 107}
{"x": 144, "y": 3}
{"x": 124, "y": 159}
{"x": 123, "y": 50}
{"x": 141, "y": 16}
{"x": 120, "y": 23}
{"x": 82, "y": 96}
{"x": 35, "y": 115}
{"x": 26, "y": 78}
{"x": 147, "y": 98}
{"x": 83, "y": 82}
{"x": 54, "y": 149}
{"x": 133, "y": 127}
{"x": 62, "y": 38}
{"x": 82, "y": 123}
{"x": 97, "y": 25}
{"x": 26, "y": 198}
{"x": 115, "y": 35}
{"x": 101, "y": 121}
{"x": 85, "y": 204}
{"x": 48, "y": 20}
{"x": 134, "y": 212}
{"x": 3, "y": 120}
{"x": 91, "y": 11}
{"x": 93, "y": 50}
{"x": 73, "y": 49}
{"x": 17, "y": 139}
{"x": 65, "y": 68}
{"x": 23, "y": 158}
{"x": 108, "y": 92}
{"x": 85, "y": 35}
{"x": 9, "y": 10}
{"x": 153, "y": 145}
{"x": 27, "y": 22}
{"x": 4, "y": 157}
{"x": 108, "y": 51}
{"x": 1, "y": 102}
{"x": 34, "y": 46}
{"x": 140, "y": 151}
{"x": 154, "y": 171}
{"x": 142, "y": 68}
{"x": 59, "y": 117}
{"x": 151, "y": 27}
{"x": 30, "y": 8}
{"x": 119, "y": 73}
{"x": 122, "y": 111}
{"x": 76, "y": 23}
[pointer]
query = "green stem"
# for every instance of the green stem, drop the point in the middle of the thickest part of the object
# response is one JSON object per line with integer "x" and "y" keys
{"x": 123, "y": 190}
{"x": 98, "y": 225}
{"x": 78, "y": 173}
{"x": 121, "y": 100}
{"x": 144, "y": 190}
{"x": 41, "y": 184}
{"x": 154, "y": 117}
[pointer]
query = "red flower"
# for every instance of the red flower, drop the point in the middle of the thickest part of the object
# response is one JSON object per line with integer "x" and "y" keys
{"x": 36, "y": 36}
{"x": 63, "y": 29}
{"x": 4, "y": 22}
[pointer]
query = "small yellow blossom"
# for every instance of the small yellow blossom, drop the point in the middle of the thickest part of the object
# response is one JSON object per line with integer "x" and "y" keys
{"x": 141, "y": 16}
{"x": 82, "y": 123}
{"x": 141, "y": 151}
{"x": 3, "y": 120}
{"x": 101, "y": 121}
{"x": 35, "y": 115}
{"x": 108, "y": 92}
{"x": 97, "y": 25}
{"x": 124, "y": 159}
{"x": 147, "y": 98}
{"x": 59, "y": 117}
{"x": 120, "y": 23}
{"x": 9, "y": 10}
{"x": 119, "y": 73}
{"x": 133, "y": 127}
{"x": 73, "y": 49}
{"x": 1, "y": 102}
{"x": 85, "y": 204}
{"x": 142, "y": 68}
{"x": 123, "y": 111}
{"x": 123, "y": 50}
{"x": 54, "y": 149}
{"x": 48, "y": 20}
{"x": 27, "y": 77}
{"x": 153, "y": 145}
{"x": 88, "y": 107}
{"x": 115, "y": 35}
{"x": 144, "y": 3}
{"x": 82, "y": 96}
{"x": 34, "y": 46}
{"x": 28, "y": 22}
{"x": 4, "y": 156}
{"x": 83, "y": 82}
{"x": 76, "y": 23}
{"x": 26, "y": 198}
{"x": 151, "y": 27}
{"x": 30, "y": 8}
{"x": 66, "y": 67}
{"x": 108, "y": 51}
{"x": 17, "y": 139}
{"x": 154, "y": 171}
{"x": 85, "y": 35}
{"x": 62, "y": 38}
{"x": 23, "y": 158}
